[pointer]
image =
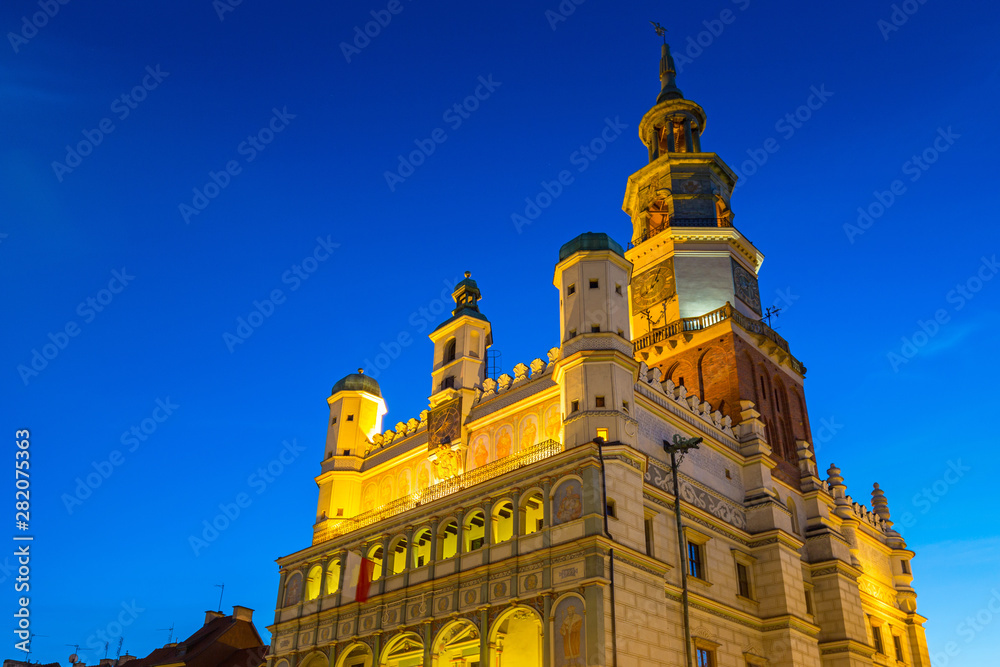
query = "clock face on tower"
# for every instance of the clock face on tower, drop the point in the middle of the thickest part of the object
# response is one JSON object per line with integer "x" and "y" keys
{"x": 445, "y": 423}
{"x": 653, "y": 286}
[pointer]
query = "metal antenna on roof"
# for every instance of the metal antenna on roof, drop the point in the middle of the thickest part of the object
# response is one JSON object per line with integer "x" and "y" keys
{"x": 223, "y": 587}
{"x": 170, "y": 637}
{"x": 119, "y": 654}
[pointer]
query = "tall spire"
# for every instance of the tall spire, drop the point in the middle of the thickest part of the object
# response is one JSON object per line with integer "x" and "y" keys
{"x": 668, "y": 76}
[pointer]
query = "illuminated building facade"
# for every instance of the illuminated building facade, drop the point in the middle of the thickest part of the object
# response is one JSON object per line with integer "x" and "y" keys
{"x": 528, "y": 520}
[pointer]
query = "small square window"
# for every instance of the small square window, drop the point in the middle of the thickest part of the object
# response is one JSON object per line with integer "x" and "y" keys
{"x": 571, "y": 289}
{"x": 599, "y": 401}
{"x": 610, "y": 509}
{"x": 621, "y": 333}
{"x": 340, "y": 511}
{"x": 625, "y": 407}
{"x": 602, "y": 433}
{"x": 574, "y": 406}
{"x": 333, "y": 421}
{"x": 618, "y": 289}
{"x": 350, "y": 418}
{"x": 595, "y": 328}
{"x": 347, "y": 452}
{"x": 572, "y": 333}
{"x": 593, "y": 283}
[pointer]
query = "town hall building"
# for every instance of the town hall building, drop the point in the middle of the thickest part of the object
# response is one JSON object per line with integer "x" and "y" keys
{"x": 531, "y": 520}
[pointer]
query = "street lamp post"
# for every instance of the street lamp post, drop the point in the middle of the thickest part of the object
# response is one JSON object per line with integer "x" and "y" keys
{"x": 681, "y": 445}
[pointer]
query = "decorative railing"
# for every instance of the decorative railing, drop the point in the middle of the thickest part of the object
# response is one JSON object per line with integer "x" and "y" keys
{"x": 327, "y": 529}
{"x": 709, "y": 319}
{"x": 679, "y": 222}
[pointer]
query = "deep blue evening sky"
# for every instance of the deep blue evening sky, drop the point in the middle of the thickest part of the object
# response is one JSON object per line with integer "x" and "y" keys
{"x": 848, "y": 297}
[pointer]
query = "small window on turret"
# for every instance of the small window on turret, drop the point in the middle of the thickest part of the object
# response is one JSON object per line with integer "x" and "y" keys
{"x": 350, "y": 418}
{"x": 618, "y": 288}
{"x": 574, "y": 406}
{"x": 340, "y": 511}
{"x": 906, "y": 566}
{"x": 571, "y": 289}
{"x": 595, "y": 328}
{"x": 621, "y": 333}
{"x": 333, "y": 421}
{"x": 593, "y": 283}
{"x": 572, "y": 333}
{"x": 599, "y": 401}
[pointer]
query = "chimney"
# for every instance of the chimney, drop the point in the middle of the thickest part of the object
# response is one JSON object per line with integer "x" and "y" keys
{"x": 125, "y": 658}
{"x": 212, "y": 615}
{"x": 243, "y": 613}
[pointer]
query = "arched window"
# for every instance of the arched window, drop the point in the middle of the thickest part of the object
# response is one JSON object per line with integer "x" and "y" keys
{"x": 313, "y": 581}
{"x": 397, "y": 555}
{"x": 422, "y": 547}
{"x": 333, "y": 576}
{"x": 358, "y": 655}
{"x": 449, "y": 350}
{"x": 520, "y": 629}
{"x": 474, "y": 531}
{"x": 532, "y": 514}
{"x": 375, "y": 556}
{"x": 448, "y": 540}
{"x": 793, "y": 510}
{"x": 503, "y": 522}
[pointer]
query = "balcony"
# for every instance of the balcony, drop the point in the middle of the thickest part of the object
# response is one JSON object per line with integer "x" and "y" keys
{"x": 755, "y": 327}
{"x": 678, "y": 222}
{"x": 328, "y": 529}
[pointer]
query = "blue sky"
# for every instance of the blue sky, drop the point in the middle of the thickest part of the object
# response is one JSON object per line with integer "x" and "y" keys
{"x": 257, "y": 120}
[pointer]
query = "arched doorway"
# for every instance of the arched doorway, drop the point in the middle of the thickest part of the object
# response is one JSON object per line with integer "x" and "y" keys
{"x": 516, "y": 639}
{"x": 405, "y": 650}
{"x": 356, "y": 655}
{"x": 455, "y": 642}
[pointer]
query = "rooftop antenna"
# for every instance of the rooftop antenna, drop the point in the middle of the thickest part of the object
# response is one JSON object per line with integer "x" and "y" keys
{"x": 170, "y": 637}
{"x": 76, "y": 647}
{"x": 223, "y": 587}
{"x": 772, "y": 311}
{"x": 106, "y": 644}
{"x": 27, "y": 654}
{"x": 119, "y": 654}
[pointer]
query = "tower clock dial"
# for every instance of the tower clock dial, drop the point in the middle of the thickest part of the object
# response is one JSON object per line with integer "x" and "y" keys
{"x": 653, "y": 286}
{"x": 445, "y": 423}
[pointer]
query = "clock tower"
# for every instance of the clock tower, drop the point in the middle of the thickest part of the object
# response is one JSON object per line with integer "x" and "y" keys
{"x": 694, "y": 301}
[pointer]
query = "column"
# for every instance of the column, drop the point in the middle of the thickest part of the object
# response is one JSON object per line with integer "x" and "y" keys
{"x": 688, "y": 139}
{"x": 432, "y": 560}
{"x": 484, "y": 633}
{"x": 515, "y": 533}
{"x": 546, "y": 510}
{"x": 460, "y": 538}
{"x": 696, "y": 133}
{"x": 669, "y": 129}
{"x": 547, "y": 631}
{"x": 427, "y": 644}
{"x": 408, "y": 556}
{"x": 487, "y": 528}
{"x": 385, "y": 565}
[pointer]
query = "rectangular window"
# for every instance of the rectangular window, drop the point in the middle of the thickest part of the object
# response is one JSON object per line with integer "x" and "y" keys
{"x": 574, "y": 406}
{"x": 809, "y": 602}
{"x": 333, "y": 421}
{"x": 705, "y": 658}
{"x": 593, "y": 283}
{"x": 448, "y": 382}
{"x": 621, "y": 333}
{"x": 350, "y": 418}
{"x": 610, "y": 509}
{"x": 572, "y": 333}
{"x": 648, "y": 525}
{"x": 595, "y": 328}
{"x": 906, "y": 566}
{"x": 743, "y": 579}
{"x": 877, "y": 637}
{"x": 602, "y": 433}
{"x": 571, "y": 289}
{"x": 897, "y": 643}
{"x": 696, "y": 567}
{"x": 340, "y": 511}
{"x": 618, "y": 289}
{"x": 599, "y": 401}
{"x": 347, "y": 452}
{"x": 476, "y": 544}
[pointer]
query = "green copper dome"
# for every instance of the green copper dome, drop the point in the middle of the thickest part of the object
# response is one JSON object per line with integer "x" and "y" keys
{"x": 590, "y": 241}
{"x": 357, "y": 382}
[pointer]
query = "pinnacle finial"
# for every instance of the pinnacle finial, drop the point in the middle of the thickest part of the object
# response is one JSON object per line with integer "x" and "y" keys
{"x": 361, "y": 371}
{"x": 668, "y": 77}
{"x": 468, "y": 274}
{"x": 880, "y": 505}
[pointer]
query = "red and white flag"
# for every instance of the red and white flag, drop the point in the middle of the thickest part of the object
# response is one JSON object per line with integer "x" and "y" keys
{"x": 357, "y": 577}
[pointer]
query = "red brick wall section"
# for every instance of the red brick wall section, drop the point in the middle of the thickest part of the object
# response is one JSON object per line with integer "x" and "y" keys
{"x": 727, "y": 370}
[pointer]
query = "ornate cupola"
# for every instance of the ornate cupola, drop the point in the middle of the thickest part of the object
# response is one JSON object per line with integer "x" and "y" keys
{"x": 460, "y": 345}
